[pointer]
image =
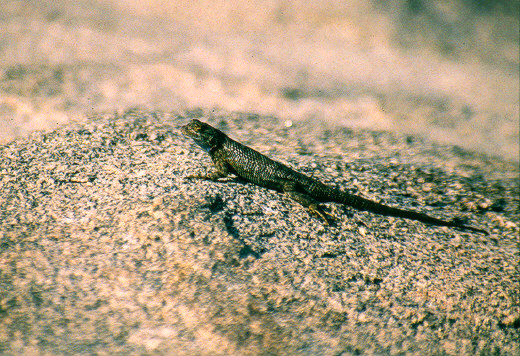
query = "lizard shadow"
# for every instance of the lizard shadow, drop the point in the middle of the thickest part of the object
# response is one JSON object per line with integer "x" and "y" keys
{"x": 333, "y": 221}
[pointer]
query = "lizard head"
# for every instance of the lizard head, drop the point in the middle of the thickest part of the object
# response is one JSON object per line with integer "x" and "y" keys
{"x": 204, "y": 135}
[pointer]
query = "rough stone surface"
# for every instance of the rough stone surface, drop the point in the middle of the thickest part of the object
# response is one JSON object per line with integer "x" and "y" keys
{"x": 105, "y": 248}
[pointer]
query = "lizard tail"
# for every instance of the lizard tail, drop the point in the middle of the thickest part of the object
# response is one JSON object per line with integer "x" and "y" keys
{"x": 368, "y": 205}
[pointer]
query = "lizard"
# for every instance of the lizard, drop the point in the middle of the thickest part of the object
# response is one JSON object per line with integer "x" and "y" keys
{"x": 233, "y": 158}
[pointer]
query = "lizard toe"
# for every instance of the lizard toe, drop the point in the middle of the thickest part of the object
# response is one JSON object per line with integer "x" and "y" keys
{"x": 320, "y": 213}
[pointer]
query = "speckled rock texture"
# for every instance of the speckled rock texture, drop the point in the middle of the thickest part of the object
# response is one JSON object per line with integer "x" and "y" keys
{"x": 105, "y": 247}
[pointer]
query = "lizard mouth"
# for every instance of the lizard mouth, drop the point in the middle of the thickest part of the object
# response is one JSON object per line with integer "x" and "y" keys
{"x": 194, "y": 133}
{"x": 188, "y": 131}
{"x": 203, "y": 135}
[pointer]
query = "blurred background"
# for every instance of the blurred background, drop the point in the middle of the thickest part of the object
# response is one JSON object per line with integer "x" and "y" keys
{"x": 445, "y": 70}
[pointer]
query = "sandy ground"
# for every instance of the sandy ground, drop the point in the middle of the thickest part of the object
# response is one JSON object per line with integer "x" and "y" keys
{"x": 105, "y": 247}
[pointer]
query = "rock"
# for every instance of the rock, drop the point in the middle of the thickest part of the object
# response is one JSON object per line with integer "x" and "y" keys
{"x": 139, "y": 260}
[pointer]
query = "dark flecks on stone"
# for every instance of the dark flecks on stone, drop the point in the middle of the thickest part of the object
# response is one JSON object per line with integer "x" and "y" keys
{"x": 135, "y": 259}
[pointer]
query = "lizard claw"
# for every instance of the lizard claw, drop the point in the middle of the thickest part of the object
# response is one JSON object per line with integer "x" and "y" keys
{"x": 320, "y": 213}
{"x": 213, "y": 176}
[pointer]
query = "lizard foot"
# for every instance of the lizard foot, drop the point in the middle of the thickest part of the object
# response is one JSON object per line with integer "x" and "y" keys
{"x": 210, "y": 176}
{"x": 315, "y": 210}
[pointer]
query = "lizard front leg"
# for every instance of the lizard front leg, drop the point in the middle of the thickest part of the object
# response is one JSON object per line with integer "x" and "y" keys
{"x": 221, "y": 171}
{"x": 289, "y": 189}
{"x": 214, "y": 175}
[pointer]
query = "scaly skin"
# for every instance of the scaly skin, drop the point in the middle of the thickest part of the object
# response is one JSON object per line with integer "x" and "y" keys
{"x": 231, "y": 157}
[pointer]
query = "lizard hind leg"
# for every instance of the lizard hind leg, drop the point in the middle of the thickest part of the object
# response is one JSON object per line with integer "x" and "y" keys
{"x": 308, "y": 202}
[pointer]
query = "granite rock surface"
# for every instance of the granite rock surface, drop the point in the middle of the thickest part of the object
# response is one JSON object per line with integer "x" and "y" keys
{"x": 105, "y": 247}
